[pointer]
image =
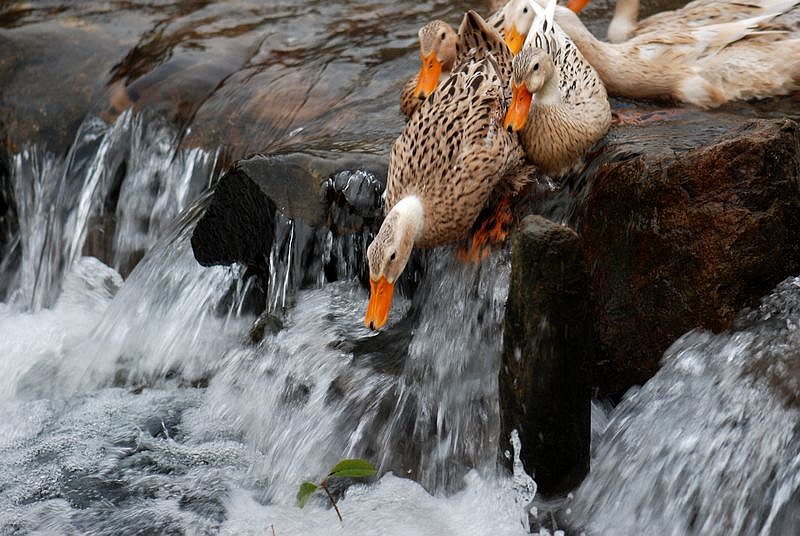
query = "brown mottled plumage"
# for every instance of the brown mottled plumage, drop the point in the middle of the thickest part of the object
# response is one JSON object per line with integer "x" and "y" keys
{"x": 703, "y": 65}
{"x": 451, "y": 156}
{"x": 569, "y": 111}
{"x": 409, "y": 101}
{"x": 454, "y": 152}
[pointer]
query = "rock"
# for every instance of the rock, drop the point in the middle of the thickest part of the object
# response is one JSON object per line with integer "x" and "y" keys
{"x": 304, "y": 185}
{"x": 683, "y": 239}
{"x": 8, "y": 222}
{"x": 547, "y": 345}
{"x": 266, "y": 324}
{"x": 238, "y": 225}
{"x": 320, "y": 194}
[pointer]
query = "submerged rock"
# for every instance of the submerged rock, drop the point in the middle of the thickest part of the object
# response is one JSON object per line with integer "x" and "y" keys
{"x": 547, "y": 344}
{"x": 683, "y": 239}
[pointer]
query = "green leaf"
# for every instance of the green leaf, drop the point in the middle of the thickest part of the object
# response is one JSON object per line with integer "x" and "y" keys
{"x": 352, "y": 468}
{"x": 304, "y": 493}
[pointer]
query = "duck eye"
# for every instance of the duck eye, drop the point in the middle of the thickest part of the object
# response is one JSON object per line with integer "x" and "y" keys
{"x": 536, "y": 67}
{"x": 525, "y": 10}
{"x": 443, "y": 36}
{"x": 392, "y": 256}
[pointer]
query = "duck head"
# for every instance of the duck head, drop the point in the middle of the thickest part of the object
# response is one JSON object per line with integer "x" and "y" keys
{"x": 437, "y": 45}
{"x": 518, "y": 16}
{"x": 388, "y": 255}
{"x": 533, "y": 77}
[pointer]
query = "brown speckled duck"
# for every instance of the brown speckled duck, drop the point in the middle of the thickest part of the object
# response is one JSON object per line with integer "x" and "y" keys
{"x": 559, "y": 105}
{"x": 451, "y": 156}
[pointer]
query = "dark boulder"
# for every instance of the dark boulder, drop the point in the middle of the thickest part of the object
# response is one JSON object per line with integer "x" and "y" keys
{"x": 682, "y": 239}
{"x": 319, "y": 194}
{"x": 547, "y": 345}
{"x": 238, "y": 225}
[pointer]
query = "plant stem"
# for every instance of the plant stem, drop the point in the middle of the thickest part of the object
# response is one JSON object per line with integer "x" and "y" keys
{"x": 338, "y": 513}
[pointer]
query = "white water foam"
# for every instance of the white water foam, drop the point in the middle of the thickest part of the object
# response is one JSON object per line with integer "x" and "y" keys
{"x": 164, "y": 457}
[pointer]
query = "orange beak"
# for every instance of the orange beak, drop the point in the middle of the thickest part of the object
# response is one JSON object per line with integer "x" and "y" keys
{"x": 380, "y": 301}
{"x": 577, "y": 5}
{"x": 429, "y": 74}
{"x": 520, "y": 104}
{"x": 514, "y": 39}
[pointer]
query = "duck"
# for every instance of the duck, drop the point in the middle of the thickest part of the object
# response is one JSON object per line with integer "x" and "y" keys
{"x": 625, "y": 24}
{"x": 437, "y": 52}
{"x": 437, "y": 44}
{"x": 705, "y": 66}
{"x": 559, "y": 105}
{"x": 452, "y": 156}
{"x": 516, "y": 14}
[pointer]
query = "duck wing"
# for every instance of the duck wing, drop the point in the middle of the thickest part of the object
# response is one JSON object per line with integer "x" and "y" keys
{"x": 453, "y": 153}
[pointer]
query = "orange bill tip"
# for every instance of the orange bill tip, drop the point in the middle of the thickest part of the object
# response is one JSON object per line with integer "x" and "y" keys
{"x": 577, "y": 5}
{"x": 518, "y": 110}
{"x": 428, "y": 77}
{"x": 380, "y": 301}
{"x": 514, "y": 39}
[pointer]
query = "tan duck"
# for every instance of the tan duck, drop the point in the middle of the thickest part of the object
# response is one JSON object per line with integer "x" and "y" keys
{"x": 559, "y": 104}
{"x": 437, "y": 52}
{"x": 625, "y": 23}
{"x": 514, "y": 15}
{"x": 703, "y": 65}
{"x": 452, "y": 155}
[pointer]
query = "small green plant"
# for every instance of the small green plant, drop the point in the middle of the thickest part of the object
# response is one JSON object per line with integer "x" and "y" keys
{"x": 349, "y": 468}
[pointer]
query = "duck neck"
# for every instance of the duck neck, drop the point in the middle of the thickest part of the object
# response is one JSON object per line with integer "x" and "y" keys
{"x": 606, "y": 58}
{"x": 549, "y": 94}
{"x": 626, "y": 12}
{"x": 410, "y": 215}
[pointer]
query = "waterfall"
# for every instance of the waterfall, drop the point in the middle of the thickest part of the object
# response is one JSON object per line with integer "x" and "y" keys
{"x": 133, "y": 164}
{"x": 146, "y": 371}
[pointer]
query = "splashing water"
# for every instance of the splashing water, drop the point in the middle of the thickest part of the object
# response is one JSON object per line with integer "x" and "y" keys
{"x": 148, "y": 405}
{"x": 59, "y": 202}
{"x": 447, "y": 402}
{"x": 710, "y": 445}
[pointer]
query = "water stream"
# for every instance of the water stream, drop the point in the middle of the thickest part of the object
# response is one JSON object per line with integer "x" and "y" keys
{"x": 142, "y": 404}
{"x": 710, "y": 445}
{"x": 141, "y": 394}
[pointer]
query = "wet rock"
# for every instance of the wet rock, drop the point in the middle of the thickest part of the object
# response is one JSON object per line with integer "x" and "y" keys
{"x": 74, "y": 50}
{"x": 318, "y": 193}
{"x": 266, "y": 324}
{"x": 547, "y": 344}
{"x": 681, "y": 239}
{"x": 237, "y": 226}
{"x": 8, "y": 223}
{"x": 304, "y": 185}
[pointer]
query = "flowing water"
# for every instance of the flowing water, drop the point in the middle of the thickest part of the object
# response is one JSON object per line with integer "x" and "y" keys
{"x": 141, "y": 395}
{"x": 136, "y": 397}
{"x": 142, "y": 405}
{"x": 710, "y": 445}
